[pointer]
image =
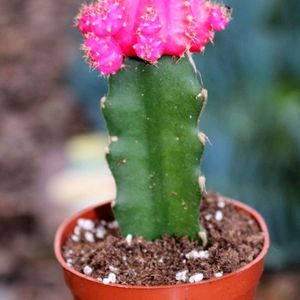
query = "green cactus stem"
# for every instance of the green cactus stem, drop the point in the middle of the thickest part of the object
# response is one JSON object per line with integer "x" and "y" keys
{"x": 152, "y": 115}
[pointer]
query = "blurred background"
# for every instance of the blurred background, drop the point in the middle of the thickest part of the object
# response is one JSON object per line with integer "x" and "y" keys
{"x": 52, "y": 136}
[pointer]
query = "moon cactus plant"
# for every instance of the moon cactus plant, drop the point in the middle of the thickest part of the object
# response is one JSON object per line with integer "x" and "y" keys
{"x": 153, "y": 106}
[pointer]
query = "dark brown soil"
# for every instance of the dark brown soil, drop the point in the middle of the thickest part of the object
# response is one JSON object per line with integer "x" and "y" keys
{"x": 234, "y": 240}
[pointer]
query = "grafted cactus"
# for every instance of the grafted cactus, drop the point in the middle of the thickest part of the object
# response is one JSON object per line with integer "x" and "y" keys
{"x": 153, "y": 106}
{"x": 152, "y": 116}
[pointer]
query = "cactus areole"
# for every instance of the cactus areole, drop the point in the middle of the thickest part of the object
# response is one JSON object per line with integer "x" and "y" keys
{"x": 153, "y": 106}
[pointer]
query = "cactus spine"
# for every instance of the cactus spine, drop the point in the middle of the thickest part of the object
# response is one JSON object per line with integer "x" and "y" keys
{"x": 152, "y": 115}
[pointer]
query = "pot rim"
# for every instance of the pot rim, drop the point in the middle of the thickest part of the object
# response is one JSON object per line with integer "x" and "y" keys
{"x": 257, "y": 216}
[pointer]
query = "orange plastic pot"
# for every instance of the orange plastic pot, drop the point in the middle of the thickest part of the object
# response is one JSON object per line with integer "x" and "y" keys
{"x": 240, "y": 285}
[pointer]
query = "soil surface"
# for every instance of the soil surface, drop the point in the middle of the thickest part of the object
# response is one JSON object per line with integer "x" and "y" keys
{"x": 234, "y": 240}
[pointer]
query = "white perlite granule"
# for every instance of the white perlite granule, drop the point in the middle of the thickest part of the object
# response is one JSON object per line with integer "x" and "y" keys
{"x": 75, "y": 238}
{"x": 221, "y": 203}
{"x": 194, "y": 254}
{"x": 182, "y": 276}
{"x": 129, "y": 239}
{"x": 100, "y": 232}
{"x": 208, "y": 217}
{"x": 89, "y": 237}
{"x": 87, "y": 270}
{"x": 86, "y": 224}
{"x": 68, "y": 253}
{"x": 103, "y": 222}
{"x": 69, "y": 260}
{"x": 203, "y": 254}
{"x": 77, "y": 230}
{"x": 113, "y": 225}
{"x": 218, "y": 215}
{"x": 219, "y": 274}
{"x": 196, "y": 278}
{"x": 112, "y": 278}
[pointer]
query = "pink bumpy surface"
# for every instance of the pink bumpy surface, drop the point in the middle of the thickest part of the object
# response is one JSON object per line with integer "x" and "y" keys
{"x": 147, "y": 29}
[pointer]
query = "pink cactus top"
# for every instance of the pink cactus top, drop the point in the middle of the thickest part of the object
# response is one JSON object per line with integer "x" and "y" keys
{"x": 147, "y": 29}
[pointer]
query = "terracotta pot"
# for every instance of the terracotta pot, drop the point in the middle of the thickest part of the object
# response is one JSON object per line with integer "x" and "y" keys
{"x": 240, "y": 285}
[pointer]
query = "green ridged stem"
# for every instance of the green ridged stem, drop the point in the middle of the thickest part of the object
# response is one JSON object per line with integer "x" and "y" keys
{"x": 152, "y": 115}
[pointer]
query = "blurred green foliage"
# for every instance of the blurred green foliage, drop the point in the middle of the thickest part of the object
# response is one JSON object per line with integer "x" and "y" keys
{"x": 253, "y": 115}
